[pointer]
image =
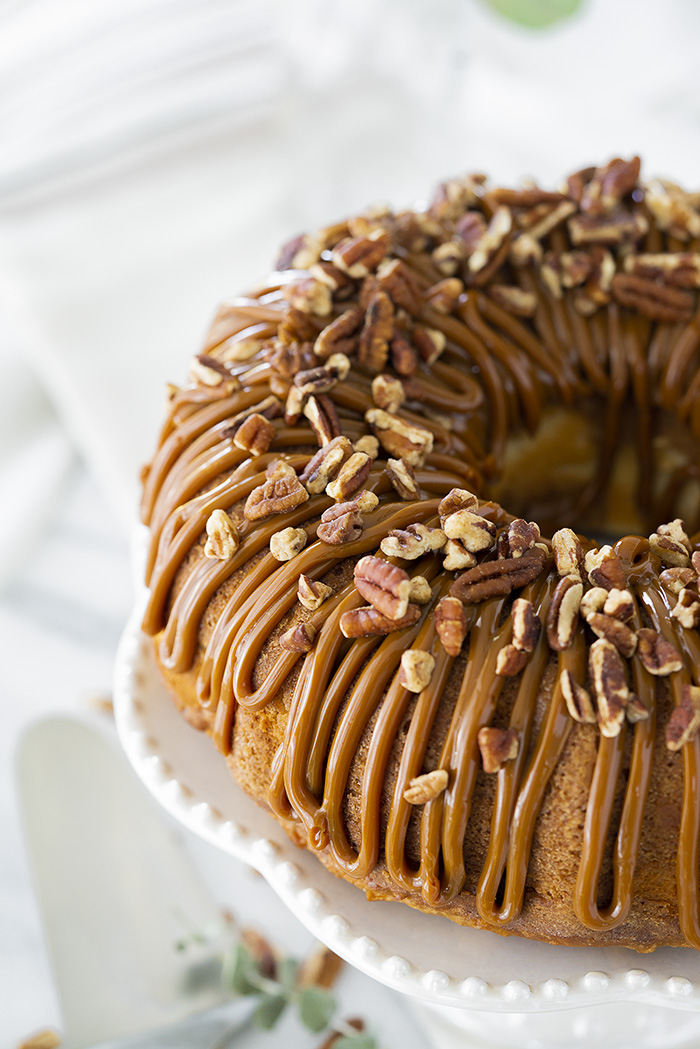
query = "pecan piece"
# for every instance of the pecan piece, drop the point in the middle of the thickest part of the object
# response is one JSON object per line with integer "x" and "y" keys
{"x": 497, "y": 578}
{"x": 351, "y": 476}
{"x": 289, "y": 358}
{"x": 522, "y": 536}
{"x": 565, "y": 269}
{"x": 562, "y": 616}
{"x": 635, "y": 710}
{"x": 456, "y": 499}
{"x": 658, "y": 302}
{"x": 578, "y": 700}
{"x": 610, "y": 686}
{"x": 416, "y": 669}
{"x": 404, "y": 358}
{"x": 359, "y": 256}
{"x": 671, "y": 544}
{"x": 425, "y": 788}
{"x": 514, "y": 299}
{"x": 594, "y": 601}
{"x": 673, "y": 211}
{"x": 321, "y": 413}
{"x": 368, "y": 622}
{"x": 454, "y": 196}
{"x": 614, "y": 631}
{"x": 268, "y": 408}
{"x": 451, "y": 624}
{"x": 299, "y": 638}
{"x": 403, "y": 478}
{"x": 207, "y": 371}
{"x": 604, "y": 569}
{"x": 497, "y": 746}
{"x": 658, "y": 655}
{"x": 609, "y": 185}
{"x": 684, "y": 723}
{"x": 254, "y": 435}
{"x": 539, "y": 221}
{"x": 443, "y": 296}
{"x": 511, "y": 661}
{"x": 448, "y": 257}
{"x": 222, "y": 536}
{"x": 275, "y": 496}
{"x": 457, "y": 557}
{"x": 421, "y": 591}
{"x": 430, "y": 342}
{"x": 311, "y": 593}
{"x": 401, "y": 285}
{"x": 568, "y": 553}
{"x": 377, "y": 330}
{"x": 474, "y": 532}
{"x": 343, "y": 522}
{"x": 527, "y": 626}
{"x": 323, "y": 467}
{"x": 367, "y": 444}
{"x": 491, "y": 242}
{"x": 413, "y": 541}
{"x": 399, "y": 438}
{"x": 388, "y": 393}
{"x": 288, "y": 543}
{"x": 680, "y": 268}
{"x": 621, "y": 227}
{"x": 385, "y": 586}
{"x": 695, "y": 561}
{"x": 309, "y": 296}
{"x": 341, "y": 335}
{"x": 339, "y": 284}
{"x": 324, "y": 377}
{"x": 687, "y": 609}
{"x": 675, "y": 579}
{"x": 620, "y": 604}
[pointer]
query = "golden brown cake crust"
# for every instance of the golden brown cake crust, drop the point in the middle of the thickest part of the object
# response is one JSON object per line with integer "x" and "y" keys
{"x": 448, "y": 707}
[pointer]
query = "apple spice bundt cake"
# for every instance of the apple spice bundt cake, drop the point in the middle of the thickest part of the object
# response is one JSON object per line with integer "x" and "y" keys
{"x": 446, "y": 706}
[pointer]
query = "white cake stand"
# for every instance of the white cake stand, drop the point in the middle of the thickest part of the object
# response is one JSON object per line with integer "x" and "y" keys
{"x": 477, "y": 988}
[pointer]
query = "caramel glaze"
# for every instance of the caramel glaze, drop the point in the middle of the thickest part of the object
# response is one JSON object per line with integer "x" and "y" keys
{"x": 497, "y": 374}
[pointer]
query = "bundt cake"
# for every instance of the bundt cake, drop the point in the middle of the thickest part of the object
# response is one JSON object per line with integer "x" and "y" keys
{"x": 446, "y": 705}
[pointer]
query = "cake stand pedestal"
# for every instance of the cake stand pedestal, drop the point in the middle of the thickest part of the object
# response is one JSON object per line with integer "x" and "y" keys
{"x": 470, "y": 987}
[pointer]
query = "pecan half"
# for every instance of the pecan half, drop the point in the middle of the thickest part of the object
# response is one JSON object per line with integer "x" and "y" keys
{"x": 527, "y": 626}
{"x": 621, "y": 227}
{"x": 399, "y": 438}
{"x": 359, "y": 256}
{"x": 343, "y": 522}
{"x": 443, "y": 296}
{"x": 288, "y": 543}
{"x": 416, "y": 669}
{"x": 378, "y": 328}
{"x": 681, "y": 269}
{"x": 321, "y": 413}
{"x": 430, "y": 342}
{"x": 341, "y": 335}
{"x": 388, "y": 393}
{"x": 568, "y": 553}
{"x": 451, "y": 624}
{"x": 610, "y": 686}
{"x": 497, "y": 746}
{"x": 222, "y": 536}
{"x": 401, "y": 284}
{"x": 687, "y": 609}
{"x": 254, "y": 435}
{"x": 497, "y": 578}
{"x": 385, "y": 586}
{"x": 609, "y": 185}
{"x": 658, "y": 655}
{"x": 351, "y": 476}
{"x": 325, "y": 465}
{"x": 299, "y": 638}
{"x": 413, "y": 541}
{"x": 309, "y": 296}
{"x": 368, "y": 622}
{"x": 522, "y": 536}
{"x": 474, "y": 532}
{"x": 658, "y": 302}
{"x": 275, "y": 496}
{"x": 577, "y": 699}
{"x": 403, "y": 479}
{"x": 404, "y": 357}
{"x": 604, "y": 569}
{"x": 614, "y": 631}
{"x": 311, "y": 593}
{"x": 425, "y": 788}
{"x": 562, "y": 617}
{"x": 511, "y": 661}
{"x": 684, "y": 723}
{"x": 671, "y": 544}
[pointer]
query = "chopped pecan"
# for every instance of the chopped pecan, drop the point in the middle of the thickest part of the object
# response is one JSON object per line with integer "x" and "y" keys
{"x": 367, "y": 444}
{"x": 425, "y": 788}
{"x": 614, "y": 631}
{"x": 497, "y": 746}
{"x": 324, "y": 377}
{"x": 455, "y": 195}
{"x": 527, "y": 626}
{"x": 578, "y": 700}
{"x": 568, "y": 553}
{"x": 298, "y": 253}
{"x": 421, "y": 591}
{"x": 299, "y": 638}
{"x": 443, "y": 296}
{"x": 297, "y": 326}
{"x": 621, "y": 227}
{"x": 321, "y": 413}
{"x": 497, "y": 578}
{"x": 339, "y": 283}
{"x": 309, "y": 296}
{"x": 684, "y": 723}
{"x": 469, "y": 231}
{"x": 416, "y": 669}
{"x": 294, "y": 405}
{"x": 674, "y": 579}
{"x": 635, "y": 709}
{"x": 526, "y": 197}
{"x": 518, "y": 301}
{"x": 680, "y": 268}
{"x": 511, "y": 661}
{"x": 368, "y": 622}
{"x": 456, "y": 499}
{"x": 311, "y": 593}
{"x": 404, "y": 357}
{"x": 359, "y": 256}
{"x": 351, "y": 476}
{"x": 275, "y": 496}
{"x": 451, "y": 624}
{"x": 388, "y": 393}
{"x": 604, "y": 569}
{"x": 399, "y": 438}
{"x": 565, "y": 269}
{"x": 457, "y": 557}
{"x": 222, "y": 536}
{"x": 540, "y": 220}
{"x": 448, "y": 257}
{"x": 207, "y": 371}
{"x": 254, "y": 435}
{"x": 610, "y": 686}
{"x": 657, "y": 654}
{"x": 341, "y": 335}
{"x": 695, "y": 561}
{"x": 279, "y": 468}
{"x": 594, "y": 601}
{"x": 620, "y": 604}
{"x": 474, "y": 531}
{"x": 343, "y": 522}
{"x": 492, "y": 244}
{"x": 413, "y": 541}
{"x": 522, "y": 536}
{"x": 325, "y": 464}
{"x": 288, "y": 543}
{"x": 385, "y": 586}
{"x": 401, "y": 284}
{"x": 577, "y": 182}
{"x": 658, "y": 302}
{"x": 671, "y": 544}
{"x": 562, "y": 616}
{"x": 673, "y": 211}
{"x": 403, "y": 479}
{"x": 430, "y": 342}
{"x": 289, "y": 358}
{"x": 377, "y": 330}
{"x": 687, "y": 609}
{"x": 238, "y": 350}
{"x": 609, "y": 185}
{"x": 524, "y": 250}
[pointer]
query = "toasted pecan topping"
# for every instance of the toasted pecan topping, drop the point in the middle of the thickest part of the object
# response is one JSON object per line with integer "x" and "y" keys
{"x": 527, "y": 626}
{"x": 610, "y": 686}
{"x": 657, "y": 654}
{"x": 635, "y": 710}
{"x": 321, "y": 413}
{"x": 340, "y": 336}
{"x": 614, "y": 631}
{"x": 254, "y": 435}
{"x": 456, "y": 499}
{"x": 275, "y": 496}
{"x": 578, "y": 700}
{"x": 522, "y": 536}
{"x": 511, "y": 661}
{"x": 222, "y": 536}
{"x": 421, "y": 591}
{"x": 429, "y": 342}
{"x": 594, "y": 600}
{"x": 388, "y": 393}
{"x": 687, "y": 609}
{"x": 299, "y": 638}
{"x": 311, "y": 593}
{"x": 385, "y": 586}
{"x": 443, "y": 296}
{"x": 680, "y": 269}
{"x": 674, "y": 579}
{"x": 413, "y": 541}
{"x": 475, "y": 533}
{"x": 457, "y": 556}
{"x": 658, "y": 302}
{"x": 425, "y": 788}
{"x": 568, "y": 553}
{"x": 359, "y": 256}
{"x": 325, "y": 465}
{"x": 403, "y": 478}
{"x": 497, "y": 578}
{"x": 604, "y": 569}
{"x": 351, "y": 476}
{"x": 341, "y": 523}
{"x": 671, "y": 544}
{"x": 288, "y": 543}
{"x": 368, "y": 622}
{"x": 609, "y": 185}
{"x": 401, "y": 284}
{"x": 497, "y": 746}
{"x": 684, "y": 723}
{"x": 619, "y": 603}
{"x": 416, "y": 669}
{"x": 562, "y": 616}
{"x": 207, "y": 371}
{"x": 367, "y": 444}
{"x": 377, "y": 331}
{"x": 673, "y": 211}
{"x": 401, "y": 439}
{"x": 404, "y": 356}
{"x": 309, "y": 296}
{"x": 451, "y": 624}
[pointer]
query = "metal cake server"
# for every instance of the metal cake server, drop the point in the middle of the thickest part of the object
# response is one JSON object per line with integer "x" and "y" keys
{"x": 114, "y": 884}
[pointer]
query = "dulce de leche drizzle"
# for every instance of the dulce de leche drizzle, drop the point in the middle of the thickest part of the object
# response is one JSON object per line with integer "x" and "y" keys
{"x": 501, "y": 362}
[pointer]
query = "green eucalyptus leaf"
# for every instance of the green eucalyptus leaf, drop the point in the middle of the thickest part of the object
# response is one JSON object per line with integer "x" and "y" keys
{"x": 269, "y": 1010}
{"x": 287, "y": 971}
{"x": 239, "y": 971}
{"x": 535, "y": 14}
{"x": 316, "y": 1007}
{"x": 361, "y": 1040}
